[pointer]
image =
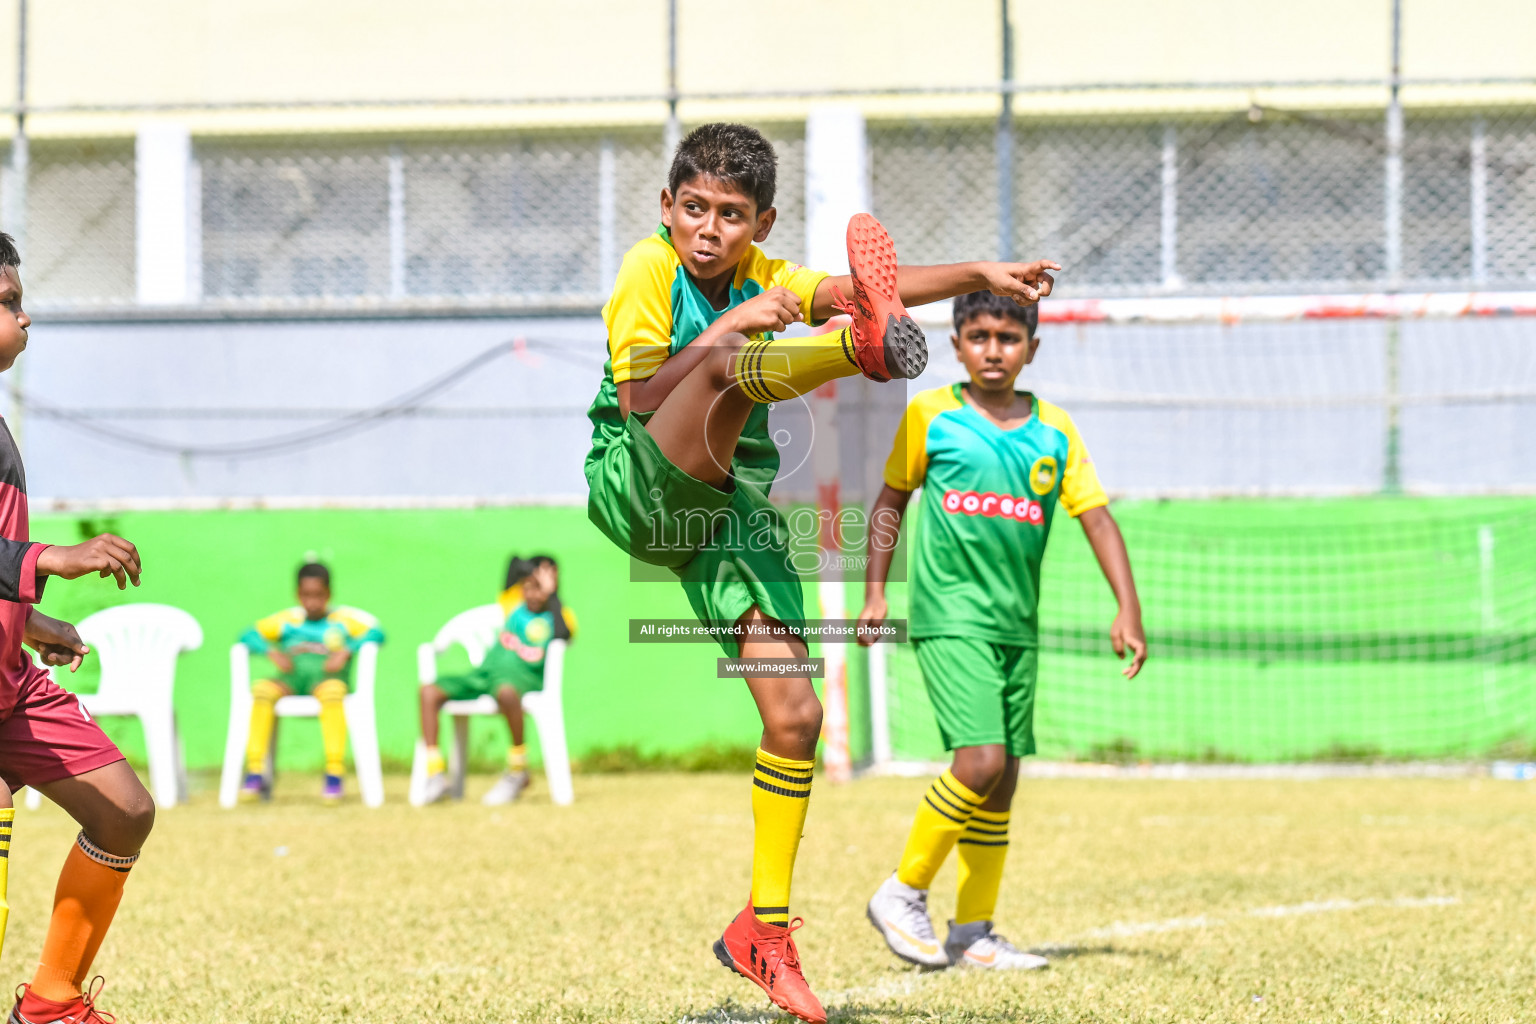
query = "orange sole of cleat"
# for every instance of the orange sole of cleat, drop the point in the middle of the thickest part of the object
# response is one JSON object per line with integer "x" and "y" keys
{"x": 729, "y": 963}
{"x": 872, "y": 259}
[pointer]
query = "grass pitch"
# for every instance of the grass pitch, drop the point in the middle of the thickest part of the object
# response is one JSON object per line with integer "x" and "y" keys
{"x": 1341, "y": 900}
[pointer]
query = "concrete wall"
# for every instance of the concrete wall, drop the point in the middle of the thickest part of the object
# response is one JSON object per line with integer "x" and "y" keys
{"x": 1292, "y": 408}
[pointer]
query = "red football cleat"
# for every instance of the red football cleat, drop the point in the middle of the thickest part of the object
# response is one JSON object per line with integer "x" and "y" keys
{"x": 34, "y": 1009}
{"x": 887, "y": 342}
{"x": 766, "y": 954}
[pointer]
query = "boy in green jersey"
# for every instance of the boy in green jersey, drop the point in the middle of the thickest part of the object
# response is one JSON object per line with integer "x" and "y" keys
{"x": 682, "y": 461}
{"x": 994, "y": 465}
{"x": 311, "y": 646}
{"x": 513, "y": 666}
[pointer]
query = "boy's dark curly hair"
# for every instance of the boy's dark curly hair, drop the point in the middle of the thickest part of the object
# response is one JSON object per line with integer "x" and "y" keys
{"x": 735, "y": 154}
{"x": 307, "y": 571}
{"x": 978, "y": 303}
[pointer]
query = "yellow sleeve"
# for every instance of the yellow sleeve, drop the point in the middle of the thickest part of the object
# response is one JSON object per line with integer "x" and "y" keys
{"x": 1080, "y": 487}
{"x": 908, "y": 462}
{"x": 570, "y": 620}
{"x": 800, "y": 280}
{"x": 510, "y": 598}
{"x": 639, "y": 312}
{"x": 271, "y": 627}
{"x": 359, "y": 630}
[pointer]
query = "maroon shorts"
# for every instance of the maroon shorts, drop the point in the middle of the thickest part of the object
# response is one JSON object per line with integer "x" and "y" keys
{"x": 48, "y": 736}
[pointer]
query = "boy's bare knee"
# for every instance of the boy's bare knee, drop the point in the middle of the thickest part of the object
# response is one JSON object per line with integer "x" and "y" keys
{"x": 123, "y": 828}
{"x": 797, "y": 726}
{"x": 140, "y": 819}
{"x": 981, "y": 768}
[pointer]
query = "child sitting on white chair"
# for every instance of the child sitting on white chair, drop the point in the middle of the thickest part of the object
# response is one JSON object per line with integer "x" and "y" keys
{"x": 513, "y": 666}
{"x": 311, "y": 648}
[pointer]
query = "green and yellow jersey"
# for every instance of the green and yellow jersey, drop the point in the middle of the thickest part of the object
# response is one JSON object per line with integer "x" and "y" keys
{"x": 522, "y": 643}
{"x": 989, "y": 496}
{"x": 310, "y": 641}
{"x": 657, "y": 310}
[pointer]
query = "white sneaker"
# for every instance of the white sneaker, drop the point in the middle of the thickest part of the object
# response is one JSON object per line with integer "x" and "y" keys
{"x": 900, "y": 913}
{"x": 508, "y": 788}
{"x": 977, "y": 945}
{"x": 438, "y": 788}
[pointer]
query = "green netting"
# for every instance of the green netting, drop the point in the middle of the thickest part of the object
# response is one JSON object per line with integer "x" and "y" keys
{"x": 1285, "y": 630}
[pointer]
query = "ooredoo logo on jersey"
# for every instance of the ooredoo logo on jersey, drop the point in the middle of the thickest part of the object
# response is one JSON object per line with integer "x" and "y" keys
{"x": 1000, "y": 506}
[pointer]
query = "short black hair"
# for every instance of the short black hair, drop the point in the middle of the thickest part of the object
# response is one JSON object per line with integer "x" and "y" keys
{"x": 975, "y": 304}
{"x": 736, "y": 154}
{"x": 519, "y": 569}
{"x": 315, "y": 571}
{"x": 10, "y": 256}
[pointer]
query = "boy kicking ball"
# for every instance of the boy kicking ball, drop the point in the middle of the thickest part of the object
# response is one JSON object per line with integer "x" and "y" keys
{"x": 682, "y": 461}
{"x": 46, "y": 738}
{"x": 994, "y": 464}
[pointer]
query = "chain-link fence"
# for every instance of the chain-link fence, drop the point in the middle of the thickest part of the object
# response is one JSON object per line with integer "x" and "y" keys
{"x": 1264, "y": 200}
{"x": 1260, "y": 201}
{"x": 79, "y": 218}
{"x": 481, "y": 218}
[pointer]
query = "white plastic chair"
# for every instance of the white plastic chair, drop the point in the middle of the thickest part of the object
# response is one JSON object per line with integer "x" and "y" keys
{"x": 475, "y": 631}
{"x": 137, "y": 645}
{"x": 362, "y": 722}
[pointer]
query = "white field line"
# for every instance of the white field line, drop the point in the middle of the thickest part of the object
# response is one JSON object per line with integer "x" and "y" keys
{"x": 1120, "y": 930}
{"x": 907, "y": 983}
{"x": 1032, "y": 769}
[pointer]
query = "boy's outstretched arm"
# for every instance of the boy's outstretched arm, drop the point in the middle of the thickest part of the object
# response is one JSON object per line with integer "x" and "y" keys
{"x": 107, "y": 554}
{"x": 1024, "y": 283}
{"x": 773, "y": 310}
{"x": 884, "y": 532}
{"x": 1109, "y": 548}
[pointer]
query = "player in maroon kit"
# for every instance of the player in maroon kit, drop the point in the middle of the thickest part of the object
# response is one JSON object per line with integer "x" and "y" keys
{"x": 47, "y": 740}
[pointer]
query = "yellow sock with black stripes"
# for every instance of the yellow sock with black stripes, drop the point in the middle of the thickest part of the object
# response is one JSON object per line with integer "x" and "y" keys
{"x": 941, "y": 816}
{"x": 778, "y": 369}
{"x": 982, "y": 848}
{"x": 437, "y": 764}
{"x": 517, "y": 758}
{"x": 781, "y": 791}
{"x": 7, "y": 819}
{"x": 264, "y": 694}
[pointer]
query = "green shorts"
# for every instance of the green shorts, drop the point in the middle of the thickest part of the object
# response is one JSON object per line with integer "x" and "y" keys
{"x": 479, "y": 683}
{"x": 309, "y": 672}
{"x": 730, "y": 549}
{"x": 982, "y": 693}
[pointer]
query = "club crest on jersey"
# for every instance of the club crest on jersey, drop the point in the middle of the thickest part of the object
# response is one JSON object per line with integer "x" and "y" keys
{"x": 537, "y": 631}
{"x": 998, "y": 506}
{"x": 1042, "y": 475}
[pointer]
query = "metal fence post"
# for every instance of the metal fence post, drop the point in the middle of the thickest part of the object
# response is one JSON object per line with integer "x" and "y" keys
{"x": 1169, "y": 235}
{"x": 674, "y": 130}
{"x": 1479, "y": 196}
{"x": 1004, "y": 146}
{"x": 1392, "y": 474}
{"x": 396, "y": 223}
{"x": 1393, "y": 206}
{"x": 607, "y": 216}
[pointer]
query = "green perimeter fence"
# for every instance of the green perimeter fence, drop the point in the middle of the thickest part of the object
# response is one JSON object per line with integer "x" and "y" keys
{"x": 1279, "y": 629}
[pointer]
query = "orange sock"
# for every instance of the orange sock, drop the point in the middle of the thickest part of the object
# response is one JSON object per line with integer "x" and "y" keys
{"x": 90, "y": 888}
